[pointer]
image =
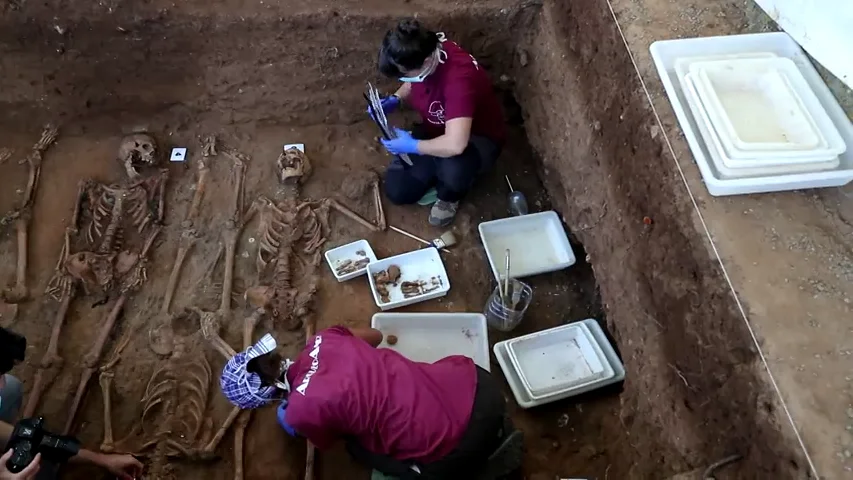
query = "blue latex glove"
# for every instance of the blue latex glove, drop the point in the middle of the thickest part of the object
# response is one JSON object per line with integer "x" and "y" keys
{"x": 389, "y": 104}
{"x": 280, "y": 412}
{"x": 404, "y": 143}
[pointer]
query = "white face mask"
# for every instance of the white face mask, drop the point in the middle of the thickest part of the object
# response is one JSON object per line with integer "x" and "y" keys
{"x": 438, "y": 58}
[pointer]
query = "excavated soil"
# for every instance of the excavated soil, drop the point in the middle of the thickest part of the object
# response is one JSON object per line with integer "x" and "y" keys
{"x": 261, "y": 75}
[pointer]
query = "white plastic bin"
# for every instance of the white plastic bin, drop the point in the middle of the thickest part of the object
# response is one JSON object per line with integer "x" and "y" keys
{"x": 537, "y": 244}
{"x": 424, "y": 265}
{"x": 428, "y": 337}
{"x": 765, "y": 109}
{"x": 716, "y": 150}
{"x": 666, "y": 53}
{"x": 516, "y": 383}
{"x": 354, "y": 251}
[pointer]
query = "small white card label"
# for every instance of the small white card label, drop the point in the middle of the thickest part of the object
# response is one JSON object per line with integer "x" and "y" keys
{"x": 178, "y": 155}
{"x": 298, "y": 146}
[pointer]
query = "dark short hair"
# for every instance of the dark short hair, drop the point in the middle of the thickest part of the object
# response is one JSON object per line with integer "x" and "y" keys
{"x": 405, "y": 48}
{"x": 266, "y": 366}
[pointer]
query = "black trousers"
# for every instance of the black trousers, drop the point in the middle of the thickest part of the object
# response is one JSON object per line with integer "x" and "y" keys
{"x": 452, "y": 177}
{"x": 483, "y": 435}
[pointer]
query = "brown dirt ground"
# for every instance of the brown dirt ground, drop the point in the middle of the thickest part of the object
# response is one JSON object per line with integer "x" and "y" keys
{"x": 266, "y": 74}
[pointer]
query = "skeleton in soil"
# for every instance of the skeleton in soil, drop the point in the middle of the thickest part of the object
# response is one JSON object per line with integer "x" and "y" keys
{"x": 282, "y": 226}
{"x": 179, "y": 437}
{"x": 19, "y": 292}
{"x": 101, "y": 265}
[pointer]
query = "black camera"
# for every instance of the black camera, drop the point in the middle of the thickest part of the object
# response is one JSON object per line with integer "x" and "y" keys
{"x": 30, "y": 438}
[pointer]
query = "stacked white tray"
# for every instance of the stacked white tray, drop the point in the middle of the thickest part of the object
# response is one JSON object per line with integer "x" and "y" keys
{"x": 758, "y": 116}
{"x": 737, "y": 151}
{"x": 558, "y": 363}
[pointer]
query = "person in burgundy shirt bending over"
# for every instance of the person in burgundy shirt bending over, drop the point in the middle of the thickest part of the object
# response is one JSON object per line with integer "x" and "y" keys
{"x": 463, "y": 127}
{"x": 406, "y": 419}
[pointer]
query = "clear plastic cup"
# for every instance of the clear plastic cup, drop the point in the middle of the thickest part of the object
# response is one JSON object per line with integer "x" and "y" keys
{"x": 505, "y": 316}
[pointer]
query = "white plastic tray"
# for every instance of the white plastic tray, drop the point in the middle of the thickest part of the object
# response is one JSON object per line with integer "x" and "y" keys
{"x": 716, "y": 152}
{"x": 517, "y": 385}
{"x": 537, "y": 244}
{"x": 682, "y": 64}
{"x": 560, "y": 359}
{"x": 428, "y": 337}
{"x": 420, "y": 264}
{"x": 349, "y": 251}
{"x": 797, "y": 112}
{"x": 753, "y": 107}
{"x": 665, "y": 53}
{"x": 746, "y": 159}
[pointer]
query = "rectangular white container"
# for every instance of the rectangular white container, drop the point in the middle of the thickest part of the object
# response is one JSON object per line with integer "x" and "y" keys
{"x": 559, "y": 359}
{"x": 752, "y": 106}
{"x": 537, "y": 243}
{"x": 793, "y": 121}
{"x": 666, "y": 53}
{"x": 428, "y": 337}
{"x": 349, "y": 252}
{"x": 417, "y": 265}
{"x": 716, "y": 151}
{"x": 516, "y": 384}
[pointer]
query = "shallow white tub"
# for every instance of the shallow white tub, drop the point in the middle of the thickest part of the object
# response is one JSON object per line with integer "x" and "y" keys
{"x": 516, "y": 383}
{"x": 537, "y": 244}
{"x": 352, "y": 251}
{"x": 667, "y": 52}
{"x": 423, "y": 264}
{"x": 428, "y": 337}
{"x": 560, "y": 359}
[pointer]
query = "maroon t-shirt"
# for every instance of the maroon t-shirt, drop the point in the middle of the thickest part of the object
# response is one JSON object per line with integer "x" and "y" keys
{"x": 340, "y": 386}
{"x": 459, "y": 88}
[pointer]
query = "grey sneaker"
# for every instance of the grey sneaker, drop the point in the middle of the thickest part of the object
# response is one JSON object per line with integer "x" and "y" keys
{"x": 442, "y": 213}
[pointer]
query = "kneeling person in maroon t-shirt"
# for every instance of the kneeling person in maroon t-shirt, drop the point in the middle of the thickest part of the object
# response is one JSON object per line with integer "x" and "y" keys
{"x": 462, "y": 130}
{"x": 408, "y": 419}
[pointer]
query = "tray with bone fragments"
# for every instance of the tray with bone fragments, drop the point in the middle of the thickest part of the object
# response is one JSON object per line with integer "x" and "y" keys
{"x": 350, "y": 260}
{"x": 408, "y": 278}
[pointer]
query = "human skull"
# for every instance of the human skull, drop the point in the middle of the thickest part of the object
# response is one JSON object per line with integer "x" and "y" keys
{"x": 293, "y": 163}
{"x": 136, "y": 150}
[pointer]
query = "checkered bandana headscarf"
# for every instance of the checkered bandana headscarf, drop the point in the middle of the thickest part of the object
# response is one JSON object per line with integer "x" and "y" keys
{"x": 245, "y": 389}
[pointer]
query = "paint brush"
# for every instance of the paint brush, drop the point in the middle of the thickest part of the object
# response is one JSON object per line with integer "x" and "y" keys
{"x": 505, "y": 296}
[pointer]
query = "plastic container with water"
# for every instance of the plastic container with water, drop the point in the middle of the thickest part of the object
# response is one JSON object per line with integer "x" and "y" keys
{"x": 503, "y": 317}
{"x": 429, "y": 337}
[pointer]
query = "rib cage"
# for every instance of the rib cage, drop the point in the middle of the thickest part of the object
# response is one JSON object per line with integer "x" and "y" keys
{"x": 177, "y": 394}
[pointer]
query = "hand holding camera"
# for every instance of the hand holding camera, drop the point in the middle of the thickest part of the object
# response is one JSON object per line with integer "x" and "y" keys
{"x": 28, "y": 473}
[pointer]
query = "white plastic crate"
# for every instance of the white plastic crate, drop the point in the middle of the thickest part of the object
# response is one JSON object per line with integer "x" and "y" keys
{"x": 429, "y": 337}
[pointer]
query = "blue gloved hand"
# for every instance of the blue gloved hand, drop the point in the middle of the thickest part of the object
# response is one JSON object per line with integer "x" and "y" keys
{"x": 280, "y": 412}
{"x": 404, "y": 143}
{"x": 389, "y": 104}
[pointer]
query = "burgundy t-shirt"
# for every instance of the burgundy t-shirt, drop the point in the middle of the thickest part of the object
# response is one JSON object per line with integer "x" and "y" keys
{"x": 459, "y": 88}
{"x": 342, "y": 387}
